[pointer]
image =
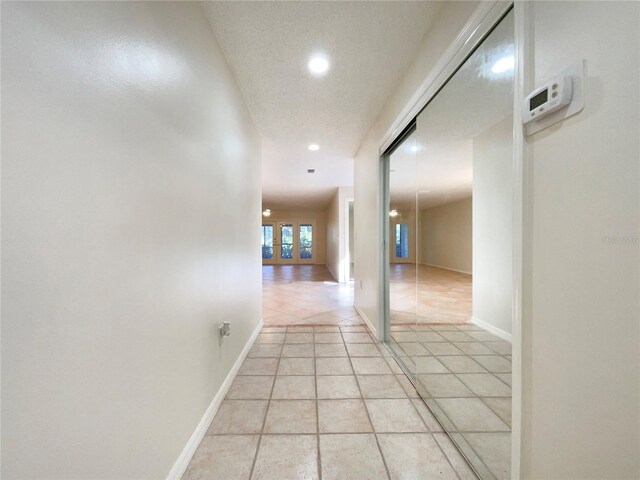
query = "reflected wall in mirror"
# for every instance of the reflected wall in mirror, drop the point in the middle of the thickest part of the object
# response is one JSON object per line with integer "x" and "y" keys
{"x": 450, "y": 297}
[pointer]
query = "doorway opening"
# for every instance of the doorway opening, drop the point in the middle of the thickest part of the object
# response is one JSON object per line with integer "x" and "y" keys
{"x": 349, "y": 241}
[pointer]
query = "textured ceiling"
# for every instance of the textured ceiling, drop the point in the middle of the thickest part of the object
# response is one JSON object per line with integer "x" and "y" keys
{"x": 369, "y": 44}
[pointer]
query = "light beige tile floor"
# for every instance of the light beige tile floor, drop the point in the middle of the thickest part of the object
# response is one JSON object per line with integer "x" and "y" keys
{"x": 353, "y": 416}
{"x": 318, "y": 397}
{"x": 464, "y": 373}
{"x": 428, "y": 294}
{"x": 306, "y": 295}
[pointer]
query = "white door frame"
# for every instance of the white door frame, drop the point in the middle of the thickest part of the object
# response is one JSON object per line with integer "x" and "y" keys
{"x": 485, "y": 17}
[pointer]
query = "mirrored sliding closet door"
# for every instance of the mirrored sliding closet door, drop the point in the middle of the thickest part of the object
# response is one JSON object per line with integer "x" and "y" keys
{"x": 449, "y": 280}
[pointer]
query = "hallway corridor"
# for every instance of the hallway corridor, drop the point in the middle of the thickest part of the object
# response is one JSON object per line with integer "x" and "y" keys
{"x": 318, "y": 240}
{"x": 323, "y": 402}
{"x": 306, "y": 295}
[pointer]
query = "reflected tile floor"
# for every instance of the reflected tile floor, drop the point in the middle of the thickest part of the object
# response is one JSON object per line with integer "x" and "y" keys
{"x": 324, "y": 402}
{"x": 439, "y": 295}
{"x": 306, "y": 295}
{"x": 464, "y": 373}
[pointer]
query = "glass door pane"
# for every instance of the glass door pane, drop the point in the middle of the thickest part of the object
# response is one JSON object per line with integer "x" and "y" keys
{"x": 287, "y": 247}
{"x": 306, "y": 241}
{"x": 267, "y": 244}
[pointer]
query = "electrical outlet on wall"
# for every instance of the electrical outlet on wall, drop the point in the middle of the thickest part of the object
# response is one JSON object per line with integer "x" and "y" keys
{"x": 225, "y": 329}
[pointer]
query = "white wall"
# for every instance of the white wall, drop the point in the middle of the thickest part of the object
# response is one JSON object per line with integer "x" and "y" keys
{"x": 581, "y": 328}
{"x": 337, "y": 216}
{"x": 493, "y": 226}
{"x": 445, "y": 236}
{"x": 366, "y": 168}
{"x": 333, "y": 236}
{"x": 130, "y": 214}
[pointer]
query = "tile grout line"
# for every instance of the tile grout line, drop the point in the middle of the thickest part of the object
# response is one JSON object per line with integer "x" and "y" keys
{"x": 436, "y": 442}
{"x": 353, "y": 433}
{"x": 413, "y": 405}
{"x": 350, "y": 357}
{"x": 366, "y": 409}
{"x": 484, "y": 373}
{"x": 451, "y": 431}
{"x": 464, "y": 354}
{"x": 315, "y": 375}
{"x": 444, "y": 328}
{"x": 266, "y": 413}
{"x": 444, "y": 429}
{"x": 350, "y": 360}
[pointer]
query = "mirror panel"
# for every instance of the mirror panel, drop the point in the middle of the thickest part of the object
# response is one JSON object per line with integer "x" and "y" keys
{"x": 402, "y": 250}
{"x": 450, "y": 259}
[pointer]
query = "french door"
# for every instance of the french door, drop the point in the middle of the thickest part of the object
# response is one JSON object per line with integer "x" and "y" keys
{"x": 268, "y": 244}
{"x": 287, "y": 242}
{"x": 286, "y": 246}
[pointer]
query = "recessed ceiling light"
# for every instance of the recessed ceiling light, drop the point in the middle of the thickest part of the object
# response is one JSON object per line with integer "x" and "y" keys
{"x": 393, "y": 213}
{"x": 266, "y": 212}
{"x": 414, "y": 148}
{"x": 313, "y": 147}
{"x": 318, "y": 65}
{"x": 503, "y": 65}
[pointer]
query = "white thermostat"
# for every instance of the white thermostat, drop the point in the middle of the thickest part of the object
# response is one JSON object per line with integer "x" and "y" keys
{"x": 547, "y": 99}
{"x": 556, "y": 100}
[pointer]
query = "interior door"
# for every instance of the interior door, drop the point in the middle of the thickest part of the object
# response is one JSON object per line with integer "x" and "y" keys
{"x": 286, "y": 245}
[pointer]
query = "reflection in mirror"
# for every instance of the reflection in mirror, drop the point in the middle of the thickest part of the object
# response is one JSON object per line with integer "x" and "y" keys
{"x": 450, "y": 287}
{"x": 402, "y": 250}
{"x": 402, "y": 240}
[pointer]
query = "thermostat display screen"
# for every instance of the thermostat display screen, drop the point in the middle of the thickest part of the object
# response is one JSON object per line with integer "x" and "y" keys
{"x": 538, "y": 100}
{"x": 547, "y": 99}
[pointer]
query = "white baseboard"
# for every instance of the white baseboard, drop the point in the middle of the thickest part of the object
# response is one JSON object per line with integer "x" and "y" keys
{"x": 335, "y": 276}
{"x": 491, "y": 329}
{"x": 373, "y": 329}
{"x": 185, "y": 457}
{"x": 446, "y": 268}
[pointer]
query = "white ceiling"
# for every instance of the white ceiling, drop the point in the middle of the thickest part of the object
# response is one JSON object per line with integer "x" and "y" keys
{"x": 370, "y": 46}
{"x": 437, "y": 159}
